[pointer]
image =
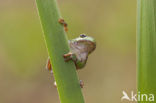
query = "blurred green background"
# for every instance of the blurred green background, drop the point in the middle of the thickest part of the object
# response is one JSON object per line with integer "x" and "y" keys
{"x": 109, "y": 71}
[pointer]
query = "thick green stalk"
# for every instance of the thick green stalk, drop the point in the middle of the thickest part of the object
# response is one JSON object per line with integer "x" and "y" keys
{"x": 146, "y": 46}
{"x": 64, "y": 72}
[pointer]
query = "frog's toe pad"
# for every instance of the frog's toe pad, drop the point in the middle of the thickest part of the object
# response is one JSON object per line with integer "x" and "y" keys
{"x": 55, "y": 85}
{"x": 81, "y": 84}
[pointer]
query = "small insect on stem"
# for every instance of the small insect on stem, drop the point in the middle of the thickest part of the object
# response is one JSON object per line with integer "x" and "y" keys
{"x": 64, "y": 24}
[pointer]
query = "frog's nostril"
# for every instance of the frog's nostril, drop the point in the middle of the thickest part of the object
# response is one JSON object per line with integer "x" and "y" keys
{"x": 82, "y": 35}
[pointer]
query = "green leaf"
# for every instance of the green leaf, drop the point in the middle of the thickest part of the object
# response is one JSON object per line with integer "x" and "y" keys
{"x": 64, "y": 72}
{"x": 146, "y": 46}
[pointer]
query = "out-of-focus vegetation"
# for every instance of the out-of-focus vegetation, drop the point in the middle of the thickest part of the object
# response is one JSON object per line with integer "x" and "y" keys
{"x": 109, "y": 71}
{"x": 146, "y": 46}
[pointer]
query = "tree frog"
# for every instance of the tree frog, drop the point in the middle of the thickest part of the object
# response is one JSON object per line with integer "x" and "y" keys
{"x": 80, "y": 48}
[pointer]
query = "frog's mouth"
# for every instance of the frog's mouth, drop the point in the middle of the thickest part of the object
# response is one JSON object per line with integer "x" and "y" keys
{"x": 92, "y": 47}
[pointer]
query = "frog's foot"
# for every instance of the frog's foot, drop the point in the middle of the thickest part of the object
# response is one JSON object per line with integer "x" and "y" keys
{"x": 48, "y": 66}
{"x": 68, "y": 56}
{"x": 64, "y": 24}
{"x": 81, "y": 84}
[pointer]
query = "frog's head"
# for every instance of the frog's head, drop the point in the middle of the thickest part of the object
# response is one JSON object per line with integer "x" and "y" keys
{"x": 87, "y": 41}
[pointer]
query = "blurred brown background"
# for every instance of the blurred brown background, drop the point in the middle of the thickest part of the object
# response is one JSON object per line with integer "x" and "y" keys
{"x": 109, "y": 71}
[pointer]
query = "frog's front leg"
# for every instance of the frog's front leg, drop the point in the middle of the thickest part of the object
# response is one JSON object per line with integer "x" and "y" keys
{"x": 69, "y": 56}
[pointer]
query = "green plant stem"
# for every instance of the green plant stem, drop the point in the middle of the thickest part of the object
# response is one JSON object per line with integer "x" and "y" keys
{"x": 64, "y": 72}
{"x": 146, "y": 46}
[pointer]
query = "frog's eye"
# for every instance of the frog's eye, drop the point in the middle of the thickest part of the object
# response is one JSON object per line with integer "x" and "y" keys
{"x": 82, "y": 35}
